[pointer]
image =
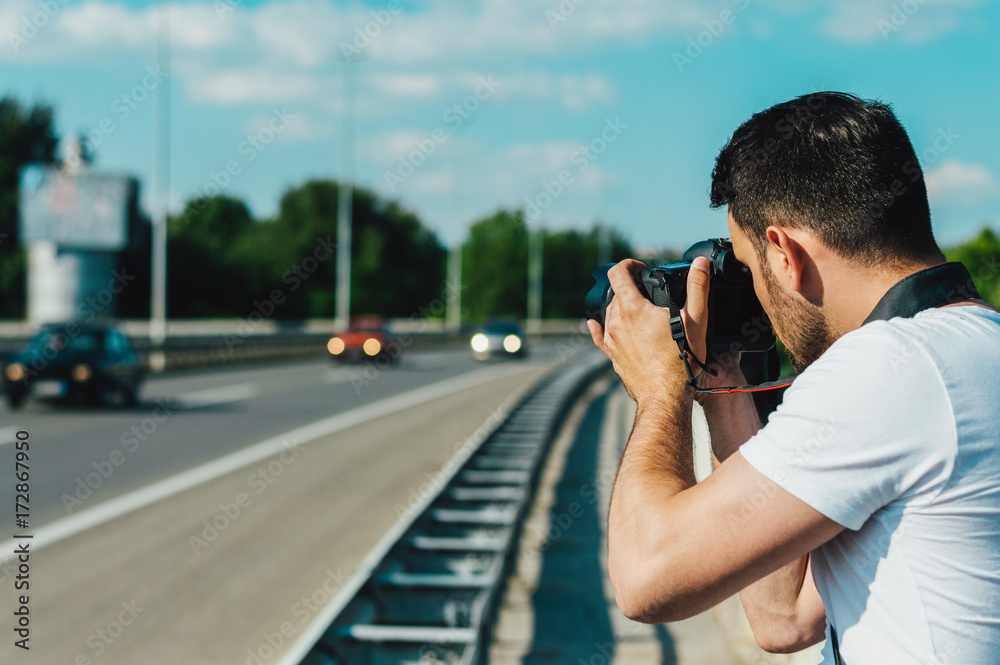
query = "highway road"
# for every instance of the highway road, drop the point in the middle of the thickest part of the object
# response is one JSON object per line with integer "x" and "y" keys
{"x": 210, "y": 523}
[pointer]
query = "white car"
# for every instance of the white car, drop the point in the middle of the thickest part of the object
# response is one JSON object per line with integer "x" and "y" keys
{"x": 500, "y": 339}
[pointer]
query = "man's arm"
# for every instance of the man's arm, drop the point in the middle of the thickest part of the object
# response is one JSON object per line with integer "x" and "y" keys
{"x": 784, "y": 609}
{"x": 676, "y": 548}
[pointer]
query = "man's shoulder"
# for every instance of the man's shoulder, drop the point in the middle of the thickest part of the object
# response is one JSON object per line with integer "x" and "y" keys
{"x": 884, "y": 413}
{"x": 937, "y": 365}
{"x": 936, "y": 340}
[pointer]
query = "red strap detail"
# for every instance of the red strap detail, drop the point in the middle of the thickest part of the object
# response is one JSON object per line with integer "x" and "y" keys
{"x": 748, "y": 389}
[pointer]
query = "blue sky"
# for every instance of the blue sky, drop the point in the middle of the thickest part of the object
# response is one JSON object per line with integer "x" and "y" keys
{"x": 652, "y": 87}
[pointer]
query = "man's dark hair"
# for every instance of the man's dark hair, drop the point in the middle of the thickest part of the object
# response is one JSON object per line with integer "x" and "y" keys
{"x": 839, "y": 166}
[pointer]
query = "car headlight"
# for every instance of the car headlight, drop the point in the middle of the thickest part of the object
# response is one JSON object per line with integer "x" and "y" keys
{"x": 372, "y": 346}
{"x": 512, "y": 343}
{"x": 82, "y": 373}
{"x": 480, "y": 342}
{"x": 15, "y": 372}
{"x": 335, "y": 346}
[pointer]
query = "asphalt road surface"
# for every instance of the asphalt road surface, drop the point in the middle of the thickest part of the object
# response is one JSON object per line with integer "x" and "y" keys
{"x": 210, "y": 523}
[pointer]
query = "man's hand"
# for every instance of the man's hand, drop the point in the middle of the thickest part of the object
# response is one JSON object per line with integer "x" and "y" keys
{"x": 636, "y": 335}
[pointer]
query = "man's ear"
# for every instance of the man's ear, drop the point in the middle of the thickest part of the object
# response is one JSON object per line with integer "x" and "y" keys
{"x": 787, "y": 255}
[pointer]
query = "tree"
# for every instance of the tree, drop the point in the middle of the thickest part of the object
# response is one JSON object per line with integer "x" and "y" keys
{"x": 207, "y": 276}
{"x": 397, "y": 265}
{"x": 981, "y": 256}
{"x": 27, "y": 137}
{"x": 224, "y": 263}
{"x": 569, "y": 261}
{"x": 495, "y": 267}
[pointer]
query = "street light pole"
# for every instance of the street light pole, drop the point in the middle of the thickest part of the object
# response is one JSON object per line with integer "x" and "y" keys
{"x": 453, "y": 278}
{"x": 604, "y": 245}
{"x": 536, "y": 241}
{"x": 345, "y": 200}
{"x": 453, "y": 290}
{"x": 161, "y": 179}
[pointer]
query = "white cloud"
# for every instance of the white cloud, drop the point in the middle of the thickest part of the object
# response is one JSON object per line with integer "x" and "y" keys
{"x": 292, "y": 52}
{"x": 576, "y": 93}
{"x": 441, "y": 188}
{"x": 291, "y": 125}
{"x": 385, "y": 149}
{"x": 853, "y": 21}
{"x": 524, "y": 169}
{"x": 96, "y": 28}
{"x": 916, "y": 21}
{"x": 311, "y": 33}
{"x": 435, "y": 181}
{"x": 536, "y": 161}
{"x": 305, "y": 33}
{"x": 94, "y": 24}
{"x": 954, "y": 181}
{"x": 637, "y": 19}
{"x": 573, "y": 92}
{"x": 407, "y": 84}
{"x": 508, "y": 173}
{"x": 252, "y": 85}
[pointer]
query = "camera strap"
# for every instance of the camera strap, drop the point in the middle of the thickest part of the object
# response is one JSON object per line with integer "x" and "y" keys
{"x": 937, "y": 286}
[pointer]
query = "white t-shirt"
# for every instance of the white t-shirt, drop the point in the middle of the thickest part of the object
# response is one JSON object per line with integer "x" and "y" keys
{"x": 894, "y": 433}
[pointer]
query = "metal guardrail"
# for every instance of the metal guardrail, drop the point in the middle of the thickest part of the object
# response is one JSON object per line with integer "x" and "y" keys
{"x": 202, "y": 350}
{"x": 429, "y": 592}
{"x": 222, "y": 342}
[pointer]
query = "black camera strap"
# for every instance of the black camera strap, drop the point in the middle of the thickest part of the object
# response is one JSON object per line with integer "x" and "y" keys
{"x": 937, "y": 286}
{"x": 940, "y": 285}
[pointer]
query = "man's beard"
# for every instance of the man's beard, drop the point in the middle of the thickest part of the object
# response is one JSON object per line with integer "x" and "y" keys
{"x": 799, "y": 324}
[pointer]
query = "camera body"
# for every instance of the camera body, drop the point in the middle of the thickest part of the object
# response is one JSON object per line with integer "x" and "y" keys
{"x": 736, "y": 320}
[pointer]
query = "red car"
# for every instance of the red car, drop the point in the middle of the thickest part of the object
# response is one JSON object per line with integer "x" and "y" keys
{"x": 367, "y": 337}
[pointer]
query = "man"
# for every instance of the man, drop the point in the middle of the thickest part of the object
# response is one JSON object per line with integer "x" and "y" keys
{"x": 867, "y": 511}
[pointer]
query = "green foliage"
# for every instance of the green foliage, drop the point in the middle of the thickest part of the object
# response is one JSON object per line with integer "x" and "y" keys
{"x": 495, "y": 268}
{"x": 27, "y": 137}
{"x": 13, "y": 280}
{"x": 398, "y": 264}
{"x": 570, "y": 259}
{"x": 981, "y": 256}
{"x": 205, "y": 274}
{"x": 223, "y": 263}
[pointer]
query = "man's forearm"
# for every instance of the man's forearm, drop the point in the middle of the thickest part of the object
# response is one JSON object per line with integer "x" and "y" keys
{"x": 660, "y": 444}
{"x": 783, "y": 609}
{"x": 732, "y": 420}
{"x": 657, "y": 464}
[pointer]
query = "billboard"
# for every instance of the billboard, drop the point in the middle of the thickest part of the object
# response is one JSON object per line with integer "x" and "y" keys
{"x": 83, "y": 211}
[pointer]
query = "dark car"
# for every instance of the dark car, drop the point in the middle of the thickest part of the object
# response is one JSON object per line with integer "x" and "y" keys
{"x": 75, "y": 361}
{"x": 499, "y": 339}
{"x": 367, "y": 338}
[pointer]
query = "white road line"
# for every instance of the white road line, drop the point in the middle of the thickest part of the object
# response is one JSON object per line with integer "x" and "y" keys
{"x": 70, "y": 526}
{"x": 8, "y": 435}
{"x": 214, "y": 396}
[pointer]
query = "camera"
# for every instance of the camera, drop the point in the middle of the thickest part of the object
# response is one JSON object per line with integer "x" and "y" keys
{"x": 736, "y": 320}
